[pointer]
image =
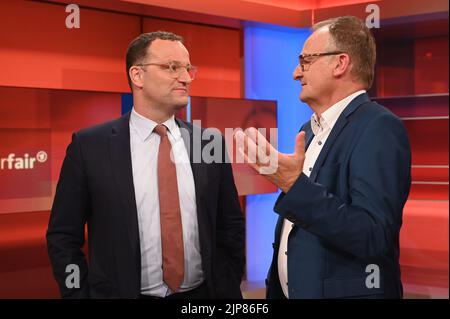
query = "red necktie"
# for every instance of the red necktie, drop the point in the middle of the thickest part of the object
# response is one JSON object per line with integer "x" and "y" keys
{"x": 170, "y": 214}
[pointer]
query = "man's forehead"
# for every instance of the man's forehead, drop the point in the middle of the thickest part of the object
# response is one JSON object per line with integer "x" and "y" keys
{"x": 317, "y": 41}
{"x": 167, "y": 49}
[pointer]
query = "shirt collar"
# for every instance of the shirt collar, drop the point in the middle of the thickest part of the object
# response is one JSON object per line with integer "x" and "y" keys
{"x": 144, "y": 126}
{"x": 331, "y": 115}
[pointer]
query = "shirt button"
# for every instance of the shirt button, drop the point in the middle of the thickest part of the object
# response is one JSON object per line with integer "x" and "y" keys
{"x": 320, "y": 143}
{"x": 285, "y": 252}
{"x": 310, "y": 169}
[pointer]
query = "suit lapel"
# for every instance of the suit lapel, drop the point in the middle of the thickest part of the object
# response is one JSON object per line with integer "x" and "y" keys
{"x": 309, "y": 135}
{"x": 338, "y": 127}
{"x": 198, "y": 168}
{"x": 123, "y": 175}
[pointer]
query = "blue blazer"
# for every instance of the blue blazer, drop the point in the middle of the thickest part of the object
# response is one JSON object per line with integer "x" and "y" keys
{"x": 347, "y": 215}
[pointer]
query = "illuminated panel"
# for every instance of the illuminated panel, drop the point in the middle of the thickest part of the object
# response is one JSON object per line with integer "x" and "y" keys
{"x": 25, "y": 163}
{"x": 40, "y": 123}
{"x": 271, "y": 55}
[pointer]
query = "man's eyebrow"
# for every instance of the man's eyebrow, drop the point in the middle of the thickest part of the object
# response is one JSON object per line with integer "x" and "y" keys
{"x": 174, "y": 61}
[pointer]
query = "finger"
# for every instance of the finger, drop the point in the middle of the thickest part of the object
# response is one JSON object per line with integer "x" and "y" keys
{"x": 263, "y": 148}
{"x": 256, "y": 137}
{"x": 300, "y": 144}
{"x": 264, "y": 144}
{"x": 248, "y": 147}
{"x": 251, "y": 149}
{"x": 247, "y": 160}
{"x": 251, "y": 132}
{"x": 239, "y": 138}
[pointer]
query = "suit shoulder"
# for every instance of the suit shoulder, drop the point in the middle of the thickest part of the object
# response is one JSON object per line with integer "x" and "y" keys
{"x": 374, "y": 109}
{"x": 102, "y": 129}
{"x": 377, "y": 120}
{"x": 373, "y": 114}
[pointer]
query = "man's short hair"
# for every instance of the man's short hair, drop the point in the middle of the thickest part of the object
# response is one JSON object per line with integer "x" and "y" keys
{"x": 137, "y": 49}
{"x": 352, "y": 36}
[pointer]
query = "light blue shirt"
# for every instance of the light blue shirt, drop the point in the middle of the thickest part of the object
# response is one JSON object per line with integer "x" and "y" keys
{"x": 144, "y": 145}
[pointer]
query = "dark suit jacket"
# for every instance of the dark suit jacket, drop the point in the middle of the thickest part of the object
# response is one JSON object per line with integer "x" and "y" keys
{"x": 96, "y": 187}
{"x": 348, "y": 213}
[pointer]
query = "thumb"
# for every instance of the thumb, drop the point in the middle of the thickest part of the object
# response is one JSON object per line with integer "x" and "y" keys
{"x": 300, "y": 144}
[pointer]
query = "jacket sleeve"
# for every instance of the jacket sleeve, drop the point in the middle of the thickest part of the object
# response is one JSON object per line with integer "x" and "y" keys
{"x": 379, "y": 179}
{"x": 66, "y": 228}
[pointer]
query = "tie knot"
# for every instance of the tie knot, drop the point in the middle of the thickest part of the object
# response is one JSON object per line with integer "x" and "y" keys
{"x": 161, "y": 130}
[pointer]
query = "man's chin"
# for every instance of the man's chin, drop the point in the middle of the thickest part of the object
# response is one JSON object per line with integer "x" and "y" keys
{"x": 303, "y": 98}
{"x": 181, "y": 103}
{"x": 179, "y": 106}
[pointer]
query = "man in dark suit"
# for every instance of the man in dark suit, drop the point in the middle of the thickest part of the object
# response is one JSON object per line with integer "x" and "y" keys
{"x": 345, "y": 186}
{"x": 160, "y": 223}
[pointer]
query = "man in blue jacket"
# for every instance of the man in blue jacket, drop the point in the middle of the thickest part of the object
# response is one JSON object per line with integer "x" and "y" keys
{"x": 345, "y": 186}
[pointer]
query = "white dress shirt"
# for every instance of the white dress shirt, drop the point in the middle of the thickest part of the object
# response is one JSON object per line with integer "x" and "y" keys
{"x": 144, "y": 145}
{"x": 321, "y": 128}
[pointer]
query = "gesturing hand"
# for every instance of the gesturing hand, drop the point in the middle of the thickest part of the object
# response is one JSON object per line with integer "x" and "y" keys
{"x": 280, "y": 169}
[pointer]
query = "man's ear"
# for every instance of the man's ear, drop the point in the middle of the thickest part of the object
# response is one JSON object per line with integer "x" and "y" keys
{"x": 342, "y": 65}
{"x": 135, "y": 74}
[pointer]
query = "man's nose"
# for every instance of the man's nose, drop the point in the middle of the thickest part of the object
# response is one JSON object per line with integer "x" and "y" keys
{"x": 184, "y": 76}
{"x": 298, "y": 73}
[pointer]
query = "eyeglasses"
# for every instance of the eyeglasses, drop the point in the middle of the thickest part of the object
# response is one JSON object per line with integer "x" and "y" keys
{"x": 305, "y": 60}
{"x": 175, "y": 68}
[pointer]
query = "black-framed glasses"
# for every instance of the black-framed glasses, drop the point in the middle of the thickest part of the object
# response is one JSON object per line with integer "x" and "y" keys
{"x": 307, "y": 59}
{"x": 175, "y": 68}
